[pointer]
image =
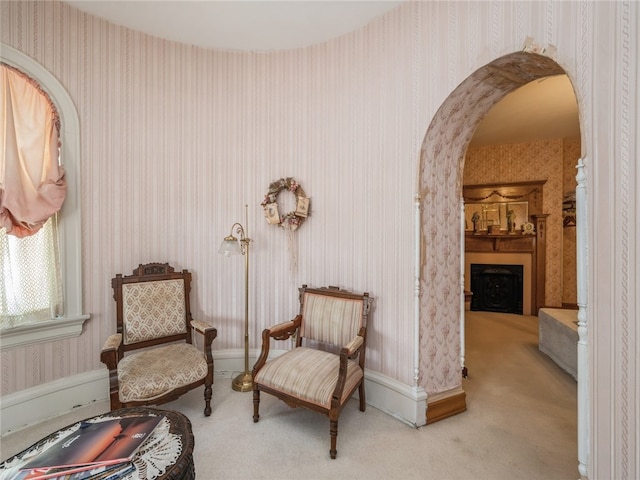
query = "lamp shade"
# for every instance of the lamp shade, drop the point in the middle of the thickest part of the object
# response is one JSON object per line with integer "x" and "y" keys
{"x": 230, "y": 246}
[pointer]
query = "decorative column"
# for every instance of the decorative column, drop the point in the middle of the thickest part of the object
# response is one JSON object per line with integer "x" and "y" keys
{"x": 540, "y": 262}
{"x": 416, "y": 293}
{"x": 583, "y": 364}
{"x": 462, "y": 295}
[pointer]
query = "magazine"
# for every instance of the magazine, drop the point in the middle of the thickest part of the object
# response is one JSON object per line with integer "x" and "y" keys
{"x": 108, "y": 472}
{"x": 82, "y": 472}
{"x": 94, "y": 444}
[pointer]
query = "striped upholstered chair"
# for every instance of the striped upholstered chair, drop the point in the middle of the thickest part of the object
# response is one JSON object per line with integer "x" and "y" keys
{"x": 151, "y": 358}
{"x": 327, "y": 364}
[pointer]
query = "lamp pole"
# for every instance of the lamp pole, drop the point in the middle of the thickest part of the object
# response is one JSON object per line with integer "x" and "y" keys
{"x": 244, "y": 382}
{"x": 231, "y": 245}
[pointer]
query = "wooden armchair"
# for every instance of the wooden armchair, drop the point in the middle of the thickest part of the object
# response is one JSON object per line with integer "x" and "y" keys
{"x": 327, "y": 364}
{"x": 154, "y": 328}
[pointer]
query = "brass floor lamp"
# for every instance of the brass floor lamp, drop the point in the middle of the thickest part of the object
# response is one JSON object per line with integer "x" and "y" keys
{"x": 231, "y": 245}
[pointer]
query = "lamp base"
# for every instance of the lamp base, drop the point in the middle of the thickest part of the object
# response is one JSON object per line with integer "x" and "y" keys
{"x": 243, "y": 382}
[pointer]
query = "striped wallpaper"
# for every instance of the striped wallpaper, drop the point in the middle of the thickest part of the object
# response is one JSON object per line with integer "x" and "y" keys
{"x": 176, "y": 139}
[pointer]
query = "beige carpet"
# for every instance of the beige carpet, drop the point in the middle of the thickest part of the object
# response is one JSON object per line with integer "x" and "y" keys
{"x": 520, "y": 423}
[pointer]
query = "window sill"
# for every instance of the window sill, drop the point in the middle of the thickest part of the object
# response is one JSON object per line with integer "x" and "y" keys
{"x": 41, "y": 332}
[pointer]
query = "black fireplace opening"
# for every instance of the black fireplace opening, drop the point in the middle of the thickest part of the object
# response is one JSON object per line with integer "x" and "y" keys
{"x": 496, "y": 288}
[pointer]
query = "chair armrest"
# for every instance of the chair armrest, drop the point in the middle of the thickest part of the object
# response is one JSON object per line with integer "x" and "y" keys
{"x": 206, "y": 330}
{"x": 201, "y": 326}
{"x": 336, "y": 397}
{"x": 281, "y": 331}
{"x": 113, "y": 342}
{"x": 284, "y": 330}
{"x": 349, "y": 351}
{"x": 110, "y": 351}
{"x": 353, "y": 347}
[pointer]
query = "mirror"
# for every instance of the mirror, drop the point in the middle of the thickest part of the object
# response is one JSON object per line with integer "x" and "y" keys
{"x": 495, "y": 214}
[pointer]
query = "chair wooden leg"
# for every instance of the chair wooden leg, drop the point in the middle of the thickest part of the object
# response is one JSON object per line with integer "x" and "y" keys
{"x": 363, "y": 400}
{"x": 256, "y": 405}
{"x": 114, "y": 387}
{"x": 208, "y": 391}
{"x": 334, "y": 437}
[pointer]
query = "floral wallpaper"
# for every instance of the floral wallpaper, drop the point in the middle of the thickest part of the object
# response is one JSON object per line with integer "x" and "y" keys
{"x": 570, "y": 155}
{"x": 541, "y": 160}
{"x": 441, "y": 177}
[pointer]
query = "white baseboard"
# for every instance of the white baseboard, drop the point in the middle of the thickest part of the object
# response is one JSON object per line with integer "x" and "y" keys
{"x": 395, "y": 398}
{"x": 36, "y": 404}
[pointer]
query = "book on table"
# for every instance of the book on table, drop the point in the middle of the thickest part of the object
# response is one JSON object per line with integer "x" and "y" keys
{"x": 94, "y": 472}
{"x": 94, "y": 446}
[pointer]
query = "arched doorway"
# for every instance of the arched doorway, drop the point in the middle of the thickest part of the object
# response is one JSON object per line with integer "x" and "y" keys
{"x": 440, "y": 179}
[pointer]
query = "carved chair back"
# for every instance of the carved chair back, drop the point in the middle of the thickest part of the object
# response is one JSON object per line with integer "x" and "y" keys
{"x": 331, "y": 318}
{"x": 153, "y": 306}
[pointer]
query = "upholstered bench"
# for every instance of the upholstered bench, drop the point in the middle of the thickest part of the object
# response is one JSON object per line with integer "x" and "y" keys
{"x": 558, "y": 337}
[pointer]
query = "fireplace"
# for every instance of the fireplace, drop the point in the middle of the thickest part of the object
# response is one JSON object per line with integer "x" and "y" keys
{"x": 497, "y": 288}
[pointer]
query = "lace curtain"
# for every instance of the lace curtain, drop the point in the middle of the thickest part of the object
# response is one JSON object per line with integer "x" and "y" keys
{"x": 30, "y": 281}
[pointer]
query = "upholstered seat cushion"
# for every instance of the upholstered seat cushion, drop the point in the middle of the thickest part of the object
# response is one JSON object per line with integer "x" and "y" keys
{"x": 308, "y": 374}
{"x": 152, "y": 373}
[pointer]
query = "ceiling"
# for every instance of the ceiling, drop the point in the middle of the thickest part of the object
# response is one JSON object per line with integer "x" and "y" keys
{"x": 240, "y": 24}
{"x": 543, "y": 109}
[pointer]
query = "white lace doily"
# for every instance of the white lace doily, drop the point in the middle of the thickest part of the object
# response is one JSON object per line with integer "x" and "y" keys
{"x": 161, "y": 450}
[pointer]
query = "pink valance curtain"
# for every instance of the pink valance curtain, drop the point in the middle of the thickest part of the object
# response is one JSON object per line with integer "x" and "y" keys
{"x": 32, "y": 183}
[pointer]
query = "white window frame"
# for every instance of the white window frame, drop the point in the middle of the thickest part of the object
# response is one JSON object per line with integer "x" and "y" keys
{"x": 69, "y": 227}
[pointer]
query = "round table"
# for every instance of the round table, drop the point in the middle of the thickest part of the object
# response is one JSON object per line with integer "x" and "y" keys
{"x": 178, "y": 441}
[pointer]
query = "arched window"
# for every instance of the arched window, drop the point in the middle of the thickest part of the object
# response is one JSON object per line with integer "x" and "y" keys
{"x": 64, "y": 319}
{"x": 32, "y": 190}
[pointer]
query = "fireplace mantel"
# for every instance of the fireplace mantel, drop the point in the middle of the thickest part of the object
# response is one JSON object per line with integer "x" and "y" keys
{"x": 531, "y": 194}
{"x": 517, "y": 243}
{"x": 534, "y": 244}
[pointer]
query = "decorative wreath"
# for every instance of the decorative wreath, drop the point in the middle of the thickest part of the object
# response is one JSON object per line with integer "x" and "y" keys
{"x": 291, "y": 220}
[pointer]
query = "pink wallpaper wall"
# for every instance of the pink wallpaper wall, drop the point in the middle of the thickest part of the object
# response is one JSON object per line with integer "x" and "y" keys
{"x": 176, "y": 139}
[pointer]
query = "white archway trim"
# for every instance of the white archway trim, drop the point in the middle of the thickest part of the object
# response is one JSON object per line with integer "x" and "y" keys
{"x": 416, "y": 296}
{"x": 413, "y": 406}
{"x": 463, "y": 366}
{"x": 582, "y": 287}
{"x": 70, "y": 325}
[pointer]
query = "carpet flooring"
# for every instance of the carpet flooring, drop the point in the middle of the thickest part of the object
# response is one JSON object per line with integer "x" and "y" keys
{"x": 520, "y": 423}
